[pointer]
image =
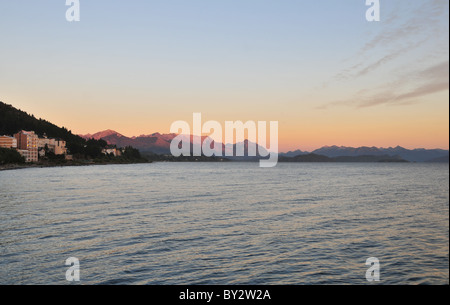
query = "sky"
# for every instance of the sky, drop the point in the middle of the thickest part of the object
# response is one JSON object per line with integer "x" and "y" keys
{"x": 319, "y": 68}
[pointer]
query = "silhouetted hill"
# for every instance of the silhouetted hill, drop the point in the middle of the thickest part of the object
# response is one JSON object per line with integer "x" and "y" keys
{"x": 13, "y": 120}
{"x": 382, "y": 158}
{"x": 412, "y": 155}
{"x": 294, "y": 153}
{"x": 444, "y": 159}
{"x": 306, "y": 158}
{"x": 319, "y": 158}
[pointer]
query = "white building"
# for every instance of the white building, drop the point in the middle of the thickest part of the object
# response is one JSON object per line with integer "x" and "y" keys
{"x": 114, "y": 151}
{"x": 56, "y": 146}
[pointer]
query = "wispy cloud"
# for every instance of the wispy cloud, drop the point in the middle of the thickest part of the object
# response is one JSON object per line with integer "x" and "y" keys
{"x": 409, "y": 48}
{"x": 431, "y": 80}
{"x": 428, "y": 81}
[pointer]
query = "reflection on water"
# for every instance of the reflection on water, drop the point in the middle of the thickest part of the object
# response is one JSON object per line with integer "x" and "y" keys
{"x": 234, "y": 223}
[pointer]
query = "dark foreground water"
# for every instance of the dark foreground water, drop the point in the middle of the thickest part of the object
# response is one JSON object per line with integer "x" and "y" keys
{"x": 233, "y": 223}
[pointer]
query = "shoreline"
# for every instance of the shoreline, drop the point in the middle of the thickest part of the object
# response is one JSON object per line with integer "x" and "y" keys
{"x": 7, "y": 167}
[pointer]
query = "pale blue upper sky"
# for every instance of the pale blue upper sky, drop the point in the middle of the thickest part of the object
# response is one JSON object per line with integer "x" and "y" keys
{"x": 143, "y": 64}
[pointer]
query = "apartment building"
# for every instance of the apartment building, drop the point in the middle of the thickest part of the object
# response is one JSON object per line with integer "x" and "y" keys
{"x": 27, "y": 145}
{"x": 8, "y": 142}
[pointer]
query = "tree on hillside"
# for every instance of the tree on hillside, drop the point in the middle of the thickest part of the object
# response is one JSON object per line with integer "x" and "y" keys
{"x": 8, "y": 156}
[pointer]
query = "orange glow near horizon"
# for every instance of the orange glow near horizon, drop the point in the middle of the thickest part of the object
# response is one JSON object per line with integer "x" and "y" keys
{"x": 409, "y": 127}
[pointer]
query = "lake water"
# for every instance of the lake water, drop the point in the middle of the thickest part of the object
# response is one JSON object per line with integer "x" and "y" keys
{"x": 226, "y": 223}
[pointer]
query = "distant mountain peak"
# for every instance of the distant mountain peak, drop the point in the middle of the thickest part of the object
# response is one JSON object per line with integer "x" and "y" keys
{"x": 102, "y": 134}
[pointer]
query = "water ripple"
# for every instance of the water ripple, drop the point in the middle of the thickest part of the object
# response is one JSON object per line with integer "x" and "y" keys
{"x": 226, "y": 224}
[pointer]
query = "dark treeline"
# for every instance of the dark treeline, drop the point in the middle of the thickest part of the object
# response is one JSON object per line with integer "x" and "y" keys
{"x": 8, "y": 156}
{"x": 169, "y": 158}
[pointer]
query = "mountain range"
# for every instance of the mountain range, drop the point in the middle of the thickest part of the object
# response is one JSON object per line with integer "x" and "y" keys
{"x": 156, "y": 143}
{"x": 160, "y": 144}
{"x": 411, "y": 155}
